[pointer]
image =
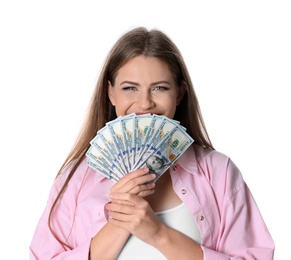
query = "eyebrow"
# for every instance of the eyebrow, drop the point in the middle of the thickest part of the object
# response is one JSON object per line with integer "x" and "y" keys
{"x": 152, "y": 84}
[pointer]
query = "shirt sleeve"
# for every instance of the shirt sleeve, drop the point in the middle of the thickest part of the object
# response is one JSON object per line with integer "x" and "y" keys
{"x": 242, "y": 230}
{"x": 45, "y": 245}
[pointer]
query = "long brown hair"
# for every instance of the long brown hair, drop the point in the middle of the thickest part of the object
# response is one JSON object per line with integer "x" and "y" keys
{"x": 139, "y": 41}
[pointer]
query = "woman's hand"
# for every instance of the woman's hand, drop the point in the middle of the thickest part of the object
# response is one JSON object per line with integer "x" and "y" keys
{"x": 138, "y": 182}
{"x": 133, "y": 213}
{"x": 129, "y": 210}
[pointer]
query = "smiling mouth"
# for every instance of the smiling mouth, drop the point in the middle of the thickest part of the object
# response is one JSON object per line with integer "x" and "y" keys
{"x": 145, "y": 113}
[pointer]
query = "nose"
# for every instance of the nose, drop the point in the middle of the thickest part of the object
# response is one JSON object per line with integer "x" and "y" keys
{"x": 145, "y": 100}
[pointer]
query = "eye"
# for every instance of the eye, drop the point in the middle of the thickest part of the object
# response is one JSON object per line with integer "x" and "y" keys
{"x": 160, "y": 88}
{"x": 129, "y": 88}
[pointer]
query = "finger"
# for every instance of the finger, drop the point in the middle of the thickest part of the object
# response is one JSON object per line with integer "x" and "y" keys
{"x": 117, "y": 201}
{"x": 116, "y": 210}
{"x": 138, "y": 184}
{"x": 132, "y": 175}
{"x": 120, "y": 224}
{"x": 110, "y": 206}
{"x": 124, "y": 196}
{"x": 143, "y": 188}
{"x": 132, "y": 182}
{"x": 146, "y": 193}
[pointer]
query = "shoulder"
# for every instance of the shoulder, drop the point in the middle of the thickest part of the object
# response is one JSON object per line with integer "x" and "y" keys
{"x": 217, "y": 167}
{"x": 82, "y": 177}
{"x": 75, "y": 175}
{"x": 211, "y": 158}
{"x": 208, "y": 155}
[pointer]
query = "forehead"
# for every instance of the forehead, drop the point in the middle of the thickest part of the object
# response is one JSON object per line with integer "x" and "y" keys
{"x": 142, "y": 67}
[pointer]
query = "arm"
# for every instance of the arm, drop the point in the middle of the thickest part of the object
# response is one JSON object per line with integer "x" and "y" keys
{"x": 243, "y": 233}
{"x": 175, "y": 245}
{"x": 45, "y": 246}
{"x": 111, "y": 236}
{"x": 238, "y": 229}
{"x": 133, "y": 213}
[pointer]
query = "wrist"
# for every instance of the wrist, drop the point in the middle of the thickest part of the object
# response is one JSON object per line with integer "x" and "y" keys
{"x": 161, "y": 237}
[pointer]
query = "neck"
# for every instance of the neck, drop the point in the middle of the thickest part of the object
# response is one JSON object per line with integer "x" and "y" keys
{"x": 164, "y": 196}
{"x": 164, "y": 179}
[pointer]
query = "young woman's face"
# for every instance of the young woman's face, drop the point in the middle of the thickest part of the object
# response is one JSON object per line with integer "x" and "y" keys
{"x": 145, "y": 85}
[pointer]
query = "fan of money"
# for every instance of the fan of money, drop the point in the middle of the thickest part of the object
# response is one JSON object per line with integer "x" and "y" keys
{"x": 131, "y": 142}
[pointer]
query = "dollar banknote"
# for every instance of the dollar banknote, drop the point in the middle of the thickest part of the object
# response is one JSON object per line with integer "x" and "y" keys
{"x": 131, "y": 142}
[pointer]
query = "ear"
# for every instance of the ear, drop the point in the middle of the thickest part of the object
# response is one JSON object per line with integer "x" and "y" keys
{"x": 181, "y": 92}
{"x": 111, "y": 94}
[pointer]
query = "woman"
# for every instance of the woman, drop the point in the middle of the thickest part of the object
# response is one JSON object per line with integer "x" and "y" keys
{"x": 200, "y": 208}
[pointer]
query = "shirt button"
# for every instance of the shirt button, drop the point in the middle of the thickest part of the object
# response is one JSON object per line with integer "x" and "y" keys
{"x": 201, "y": 218}
{"x": 184, "y": 191}
{"x": 174, "y": 168}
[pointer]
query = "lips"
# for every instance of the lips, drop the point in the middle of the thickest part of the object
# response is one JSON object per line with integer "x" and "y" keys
{"x": 144, "y": 113}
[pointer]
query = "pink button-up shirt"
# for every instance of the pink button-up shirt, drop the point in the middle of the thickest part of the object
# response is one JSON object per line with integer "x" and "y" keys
{"x": 208, "y": 182}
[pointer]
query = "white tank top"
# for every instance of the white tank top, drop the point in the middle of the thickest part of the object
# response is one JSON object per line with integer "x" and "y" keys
{"x": 179, "y": 218}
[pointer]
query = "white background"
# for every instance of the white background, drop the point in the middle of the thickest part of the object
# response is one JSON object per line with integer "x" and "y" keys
{"x": 238, "y": 54}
